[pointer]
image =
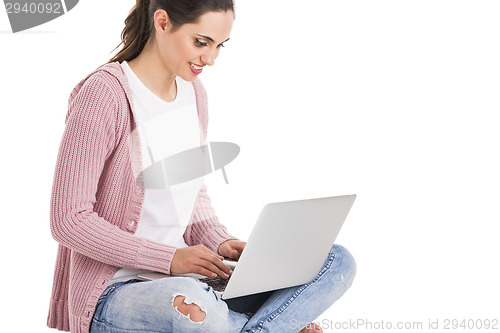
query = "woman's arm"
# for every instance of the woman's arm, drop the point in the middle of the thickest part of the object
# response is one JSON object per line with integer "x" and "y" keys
{"x": 204, "y": 227}
{"x": 92, "y": 129}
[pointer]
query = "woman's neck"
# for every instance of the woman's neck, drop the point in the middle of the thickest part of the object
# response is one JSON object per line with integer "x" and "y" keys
{"x": 152, "y": 72}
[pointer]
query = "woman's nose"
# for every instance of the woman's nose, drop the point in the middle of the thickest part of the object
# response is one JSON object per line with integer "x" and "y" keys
{"x": 209, "y": 57}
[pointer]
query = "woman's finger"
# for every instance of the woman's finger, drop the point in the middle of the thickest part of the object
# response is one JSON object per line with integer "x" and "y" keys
{"x": 203, "y": 271}
{"x": 215, "y": 265}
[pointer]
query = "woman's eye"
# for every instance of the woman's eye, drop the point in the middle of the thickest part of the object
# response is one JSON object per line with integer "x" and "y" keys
{"x": 199, "y": 43}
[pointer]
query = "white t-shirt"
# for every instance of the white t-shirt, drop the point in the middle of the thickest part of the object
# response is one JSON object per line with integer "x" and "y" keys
{"x": 167, "y": 128}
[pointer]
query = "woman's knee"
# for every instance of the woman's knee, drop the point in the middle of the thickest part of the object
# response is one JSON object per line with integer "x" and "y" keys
{"x": 344, "y": 264}
{"x": 198, "y": 308}
{"x": 188, "y": 298}
{"x": 191, "y": 310}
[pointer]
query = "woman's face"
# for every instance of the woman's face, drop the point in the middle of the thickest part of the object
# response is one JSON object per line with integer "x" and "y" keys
{"x": 194, "y": 45}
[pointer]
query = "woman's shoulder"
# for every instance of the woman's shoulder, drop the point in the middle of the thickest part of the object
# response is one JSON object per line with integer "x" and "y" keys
{"x": 108, "y": 80}
{"x": 103, "y": 91}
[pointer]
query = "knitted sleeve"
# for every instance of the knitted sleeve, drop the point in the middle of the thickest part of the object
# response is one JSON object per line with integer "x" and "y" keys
{"x": 87, "y": 142}
{"x": 204, "y": 227}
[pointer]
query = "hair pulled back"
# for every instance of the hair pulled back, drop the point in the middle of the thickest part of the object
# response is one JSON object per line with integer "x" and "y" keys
{"x": 139, "y": 25}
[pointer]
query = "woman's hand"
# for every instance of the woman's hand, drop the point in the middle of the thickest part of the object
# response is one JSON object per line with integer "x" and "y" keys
{"x": 232, "y": 248}
{"x": 200, "y": 260}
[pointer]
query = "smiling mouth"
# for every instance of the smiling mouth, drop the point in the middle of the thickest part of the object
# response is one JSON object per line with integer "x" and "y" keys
{"x": 197, "y": 67}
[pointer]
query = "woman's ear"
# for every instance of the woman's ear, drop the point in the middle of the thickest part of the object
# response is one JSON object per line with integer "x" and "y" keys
{"x": 162, "y": 21}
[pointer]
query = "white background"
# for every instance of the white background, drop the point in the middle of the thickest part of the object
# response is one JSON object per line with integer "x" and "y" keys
{"x": 395, "y": 101}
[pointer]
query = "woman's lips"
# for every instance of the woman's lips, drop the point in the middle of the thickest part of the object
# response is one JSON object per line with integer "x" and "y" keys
{"x": 196, "y": 69}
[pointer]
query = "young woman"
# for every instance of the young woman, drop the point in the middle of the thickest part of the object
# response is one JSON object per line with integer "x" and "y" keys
{"x": 146, "y": 104}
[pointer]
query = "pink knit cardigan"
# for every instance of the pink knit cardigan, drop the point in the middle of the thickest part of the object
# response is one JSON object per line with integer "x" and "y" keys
{"x": 96, "y": 203}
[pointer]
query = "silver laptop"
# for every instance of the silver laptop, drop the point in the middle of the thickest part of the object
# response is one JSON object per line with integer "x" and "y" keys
{"x": 287, "y": 247}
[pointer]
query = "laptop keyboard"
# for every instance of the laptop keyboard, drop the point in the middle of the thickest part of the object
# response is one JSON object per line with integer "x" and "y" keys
{"x": 218, "y": 284}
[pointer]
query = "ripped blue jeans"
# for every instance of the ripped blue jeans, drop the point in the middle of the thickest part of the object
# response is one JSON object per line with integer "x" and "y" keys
{"x": 148, "y": 306}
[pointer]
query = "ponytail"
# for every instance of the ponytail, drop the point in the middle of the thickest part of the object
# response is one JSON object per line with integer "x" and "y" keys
{"x": 135, "y": 35}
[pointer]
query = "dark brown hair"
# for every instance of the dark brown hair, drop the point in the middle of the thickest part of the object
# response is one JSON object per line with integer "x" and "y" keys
{"x": 139, "y": 25}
